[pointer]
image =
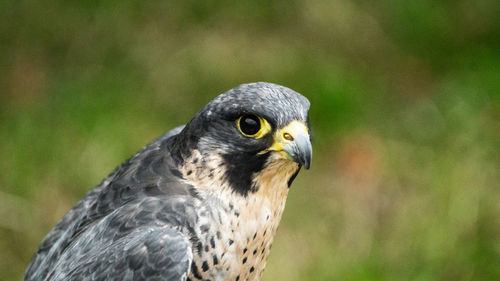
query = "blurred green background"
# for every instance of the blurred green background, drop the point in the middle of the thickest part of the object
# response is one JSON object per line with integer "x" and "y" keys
{"x": 405, "y": 105}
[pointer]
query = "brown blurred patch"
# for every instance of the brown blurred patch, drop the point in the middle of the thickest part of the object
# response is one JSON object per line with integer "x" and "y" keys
{"x": 476, "y": 18}
{"x": 27, "y": 80}
{"x": 356, "y": 168}
{"x": 358, "y": 160}
{"x": 52, "y": 203}
{"x": 410, "y": 77}
{"x": 13, "y": 212}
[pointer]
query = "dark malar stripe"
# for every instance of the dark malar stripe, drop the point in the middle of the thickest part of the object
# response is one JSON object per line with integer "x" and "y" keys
{"x": 240, "y": 168}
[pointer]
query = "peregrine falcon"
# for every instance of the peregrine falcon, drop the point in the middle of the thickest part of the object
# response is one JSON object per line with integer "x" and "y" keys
{"x": 202, "y": 202}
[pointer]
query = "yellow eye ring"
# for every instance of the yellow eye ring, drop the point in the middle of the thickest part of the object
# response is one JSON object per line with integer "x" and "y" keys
{"x": 253, "y": 126}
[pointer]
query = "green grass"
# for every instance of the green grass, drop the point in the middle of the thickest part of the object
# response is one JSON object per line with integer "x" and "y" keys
{"x": 405, "y": 109}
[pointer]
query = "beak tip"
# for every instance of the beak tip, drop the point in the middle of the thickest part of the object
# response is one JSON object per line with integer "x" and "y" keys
{"x": 307, "y": 163}
{"x": 304, "y": 156}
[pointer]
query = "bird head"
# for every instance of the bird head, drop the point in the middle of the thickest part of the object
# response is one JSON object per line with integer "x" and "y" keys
{"x": 247, "y": 130}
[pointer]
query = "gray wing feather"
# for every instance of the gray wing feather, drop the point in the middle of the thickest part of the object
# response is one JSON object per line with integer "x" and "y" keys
{"x": 146, "y": 254}
{"x": 127, "y": 200}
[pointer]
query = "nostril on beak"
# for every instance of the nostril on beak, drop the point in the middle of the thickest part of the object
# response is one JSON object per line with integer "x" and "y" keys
{"x": 287, "y": 136}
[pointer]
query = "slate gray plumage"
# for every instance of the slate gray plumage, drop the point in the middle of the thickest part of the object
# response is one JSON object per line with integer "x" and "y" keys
{"x": 150, "y": 219}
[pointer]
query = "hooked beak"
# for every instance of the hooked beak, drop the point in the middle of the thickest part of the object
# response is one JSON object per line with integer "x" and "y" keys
{"x": 294, "y": 143}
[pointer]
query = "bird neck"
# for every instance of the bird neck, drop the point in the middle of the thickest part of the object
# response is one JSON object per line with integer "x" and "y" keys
{"x": 242, "y": 227}
{"x": 258, "y": 210}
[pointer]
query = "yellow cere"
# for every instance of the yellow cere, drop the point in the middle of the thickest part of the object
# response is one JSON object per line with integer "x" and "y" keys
{"x": 282, "y": 136}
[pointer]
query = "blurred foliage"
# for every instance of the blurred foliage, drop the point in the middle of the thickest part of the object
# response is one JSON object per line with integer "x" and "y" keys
{"x": 405, "y": 106}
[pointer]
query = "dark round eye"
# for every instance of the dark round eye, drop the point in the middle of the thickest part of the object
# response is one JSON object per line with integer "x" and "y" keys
{"x": 249, "y": 124}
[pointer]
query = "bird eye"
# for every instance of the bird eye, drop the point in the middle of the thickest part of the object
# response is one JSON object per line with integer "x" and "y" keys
{"x": 253, "y": 126}
{"x": 249, "y": 124}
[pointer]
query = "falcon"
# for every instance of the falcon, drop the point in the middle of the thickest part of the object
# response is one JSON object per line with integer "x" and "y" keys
{"x": 202, "y": 202}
